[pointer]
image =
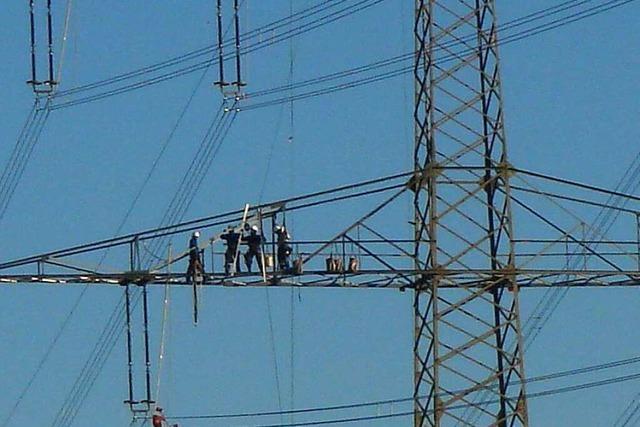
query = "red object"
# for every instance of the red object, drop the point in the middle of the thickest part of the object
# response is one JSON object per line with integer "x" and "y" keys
{"x": 157, "y": 420}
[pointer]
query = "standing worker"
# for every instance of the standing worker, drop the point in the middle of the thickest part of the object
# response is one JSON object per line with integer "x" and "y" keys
{"x": 254, "y": 242}
{"x": 284, "y": 248}
{"x": 231, "y": 259}
{"x": 195, "y": 263}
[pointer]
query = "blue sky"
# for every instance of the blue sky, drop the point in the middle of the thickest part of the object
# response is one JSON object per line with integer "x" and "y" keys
{"x": 571, "y": 110}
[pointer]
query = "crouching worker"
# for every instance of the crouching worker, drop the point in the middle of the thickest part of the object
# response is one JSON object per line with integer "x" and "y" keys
{"x": 284, "y": 248}
{"x": 158, "y": 419}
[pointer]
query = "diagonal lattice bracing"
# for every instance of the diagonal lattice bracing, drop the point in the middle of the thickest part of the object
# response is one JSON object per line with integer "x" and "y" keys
{"x": 467, "y": 336}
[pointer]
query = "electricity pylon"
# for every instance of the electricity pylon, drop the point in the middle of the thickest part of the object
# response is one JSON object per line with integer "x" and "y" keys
{"x": 462, "y": 262}
{"x": 467, "y": 340}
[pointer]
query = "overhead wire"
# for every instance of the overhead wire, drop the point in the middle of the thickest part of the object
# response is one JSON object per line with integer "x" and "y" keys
{"x": 524, "y": 34}
{"x": 292, "y": 302}
{"x": 67, "y": 319}
{"x": 93, "y": 366}
{"x": 208, "y": 220}
{"x": 195, "y": 174}
{"x": 626, "y": 2}
{"x": 277, "y": 38}
{"x": 21, "y": 154}
{"x": 629, "y": 413}
{"x": 202, "y": 51}
{"x": 541, "y": 378}
{"x": 63, "y": 44}
{"x": 357, "y": 7}
{"x": 544, "y": 393}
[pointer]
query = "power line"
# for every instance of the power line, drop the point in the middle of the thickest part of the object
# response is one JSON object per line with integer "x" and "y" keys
{"x": 194, "y": 175}
{"x": 319, "y": 22}
{"x": 584, "y": 14}
{"x": 540, "y": 378}
{"x": 92, "y": 367}
{"x": 287, "y": 21}
{"x": 201, "y": 51}
{"x": 275, "y": 39}
{"x": 22, "y": 151}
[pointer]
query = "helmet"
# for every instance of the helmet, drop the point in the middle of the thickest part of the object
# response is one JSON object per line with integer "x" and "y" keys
{"x": 278, "y": 228}
{"x": 254, "y": 228}
{"x": 196, "y": 234}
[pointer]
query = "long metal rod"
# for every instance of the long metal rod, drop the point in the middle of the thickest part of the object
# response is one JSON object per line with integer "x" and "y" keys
{"x": 145, "y": 308}
{"x": 129, "y": 343}
{"x": 496, "y": 291}
{"x": 33, "y": 80}
{"x": 50, "y": 41}
{"x": 236, "y": 19}
{"x": 220, "y": 45}
{"x": 638, "y": 238}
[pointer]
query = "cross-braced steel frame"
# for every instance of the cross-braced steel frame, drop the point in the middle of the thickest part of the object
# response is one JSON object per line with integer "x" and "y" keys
{"x": 467, "y": 339}
{"x": 461, "y": 262}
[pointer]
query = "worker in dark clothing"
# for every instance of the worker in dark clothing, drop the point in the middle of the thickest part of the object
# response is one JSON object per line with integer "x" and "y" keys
{"x": 231, "y": 258}
{"x": 195, "y": 263}
{"x": 254, "y": 242}
{"x": 284, "y": 248}
{"x": 158, "y": 419}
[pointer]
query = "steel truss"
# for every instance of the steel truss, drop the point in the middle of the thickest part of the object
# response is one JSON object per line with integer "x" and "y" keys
{"x": 461, "y": 261}
{"x": 384, "y": 262}
{"x": 468, "y": 340}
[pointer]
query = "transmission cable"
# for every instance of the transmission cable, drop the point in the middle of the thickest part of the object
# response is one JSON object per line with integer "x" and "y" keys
{"x": 22, "y": 151}
{"x": 93, "y": 366}
{"x": 515, "y": 23}
{"x": 203, "y": 51}
{"x": 200, "y": 165}
{"x": 317, "y": 23}
{"x": 409, "y": 68}
{"x": 540, "y": 378}
{"x": 544, "y": 393}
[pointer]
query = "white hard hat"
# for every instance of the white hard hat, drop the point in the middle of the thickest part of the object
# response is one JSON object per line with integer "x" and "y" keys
{"x": 254, "y": 228}
{"x": 196, "y": 234}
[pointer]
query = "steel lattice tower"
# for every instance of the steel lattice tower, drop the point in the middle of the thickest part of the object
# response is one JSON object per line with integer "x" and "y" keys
{"x": 467, "y": 340}
{"x": 460, "y": 262}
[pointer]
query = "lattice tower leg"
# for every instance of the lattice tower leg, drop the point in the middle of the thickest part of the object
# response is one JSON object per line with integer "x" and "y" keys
{"x": 468, "y": 344}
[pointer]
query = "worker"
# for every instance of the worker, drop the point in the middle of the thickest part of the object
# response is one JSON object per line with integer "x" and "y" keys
{"x": 231, "y": 259}
{"x": 284, "y": 248}
{"x": 254, "y": 242}
{"x": 158, "y": 419}
{"x": 195, "y": 263}
{"x": 354, "y": 265}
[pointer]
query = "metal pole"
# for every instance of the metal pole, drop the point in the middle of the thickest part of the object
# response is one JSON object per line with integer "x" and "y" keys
{"x": 129, "y": 349}
{"x": 33, "y": 80}
{"x": 220, "y": 46}
{"x": 236, "y": 8}
{"x": 276, "y": 264}
{"x": 145, "y": 307}
{"x": 195, "y": 299}
{"x": 50, "y": 39}
{"x": 638, "y": 237}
